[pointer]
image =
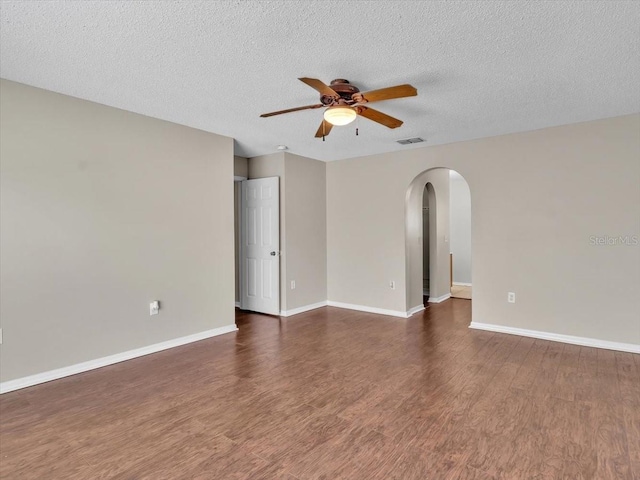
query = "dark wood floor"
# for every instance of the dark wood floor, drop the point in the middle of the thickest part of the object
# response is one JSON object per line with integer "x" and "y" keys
{"x": 337, "y": 394}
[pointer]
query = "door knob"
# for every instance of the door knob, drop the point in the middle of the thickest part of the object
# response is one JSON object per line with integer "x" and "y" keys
{"x": 273, "y": 254}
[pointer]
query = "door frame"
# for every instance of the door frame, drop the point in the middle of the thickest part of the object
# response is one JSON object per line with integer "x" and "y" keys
{"x": 237, "y": 282}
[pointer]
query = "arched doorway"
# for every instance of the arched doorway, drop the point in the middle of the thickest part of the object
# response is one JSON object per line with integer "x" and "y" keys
{"x": 434, "y": 197}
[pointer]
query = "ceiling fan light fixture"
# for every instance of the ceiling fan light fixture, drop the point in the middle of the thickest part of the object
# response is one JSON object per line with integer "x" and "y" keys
{"x": 340, "y": 115}
{"x": 343, "y": 104}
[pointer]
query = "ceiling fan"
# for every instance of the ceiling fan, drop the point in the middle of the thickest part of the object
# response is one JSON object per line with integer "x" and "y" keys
{"x": 345, "y": 102}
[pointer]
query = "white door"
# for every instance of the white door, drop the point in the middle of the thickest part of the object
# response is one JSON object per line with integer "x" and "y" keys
{"x": 260, "y": 248}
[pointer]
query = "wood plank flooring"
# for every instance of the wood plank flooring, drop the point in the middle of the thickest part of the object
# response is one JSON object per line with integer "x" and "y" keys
{"x": 337, "y": 394}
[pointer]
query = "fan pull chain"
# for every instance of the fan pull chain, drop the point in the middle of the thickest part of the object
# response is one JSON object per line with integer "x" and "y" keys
{"x": 357, "y": 124}
{"x": 323, "y": 127}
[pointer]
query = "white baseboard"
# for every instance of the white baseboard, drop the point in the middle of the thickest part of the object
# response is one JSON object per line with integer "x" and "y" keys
{"x": 557, "y": 337}
{"x": 237, "y": 304}
{"x": 414, "y": 310}
{"x": 363, "y": 308}
{"x": 349, "y": 306}
{"x": 43, "y": 377}
{"x": 444, "y": 297}
{"x": 461, "y": 284}
{"x": 306, "y": 308}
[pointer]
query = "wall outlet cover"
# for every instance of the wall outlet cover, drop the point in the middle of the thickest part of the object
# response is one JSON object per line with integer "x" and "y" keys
{"x": 154, "y": 307}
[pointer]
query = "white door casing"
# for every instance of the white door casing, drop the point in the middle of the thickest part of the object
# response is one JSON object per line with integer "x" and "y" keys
{"x": 260, "y": 246}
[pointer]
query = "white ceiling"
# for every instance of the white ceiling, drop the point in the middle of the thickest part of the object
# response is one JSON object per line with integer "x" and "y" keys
{"x": 481, "y": 68}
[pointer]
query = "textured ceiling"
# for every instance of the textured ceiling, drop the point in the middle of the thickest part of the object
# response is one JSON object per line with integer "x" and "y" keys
{"x": 481, "y": 68}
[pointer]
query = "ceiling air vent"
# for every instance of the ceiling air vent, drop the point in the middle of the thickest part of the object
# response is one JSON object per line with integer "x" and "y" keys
{"x": 408, "y": 141}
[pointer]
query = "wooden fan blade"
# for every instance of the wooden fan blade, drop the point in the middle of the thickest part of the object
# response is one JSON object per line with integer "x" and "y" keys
{"x": 379, "y": 117}
{"x": 280, "y": 112}
{"x": 399, "y": 91}
{"x": 319, "y": 86}
{"x": 324, "y": 129}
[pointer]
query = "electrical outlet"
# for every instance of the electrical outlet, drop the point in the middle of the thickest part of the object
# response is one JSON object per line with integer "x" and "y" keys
{"x": 511, "y": 297}
{"x": 293, "y": 284}
{"x": 154, "y": 307}
{"x": 392, "y": 285}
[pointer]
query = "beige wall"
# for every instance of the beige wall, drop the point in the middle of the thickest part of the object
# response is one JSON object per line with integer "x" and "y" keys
{"x": 303, "y": 232}
{"x": 102, "y": 211}
{"x": 537, "y": 198}
{"x": 460, "y": 228}
{"x": 306, "y": 231}
{"x": 240, "y": 167}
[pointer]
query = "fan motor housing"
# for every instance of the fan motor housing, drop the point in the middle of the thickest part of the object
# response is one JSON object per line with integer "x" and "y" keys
{"x": 343, "y": 88}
